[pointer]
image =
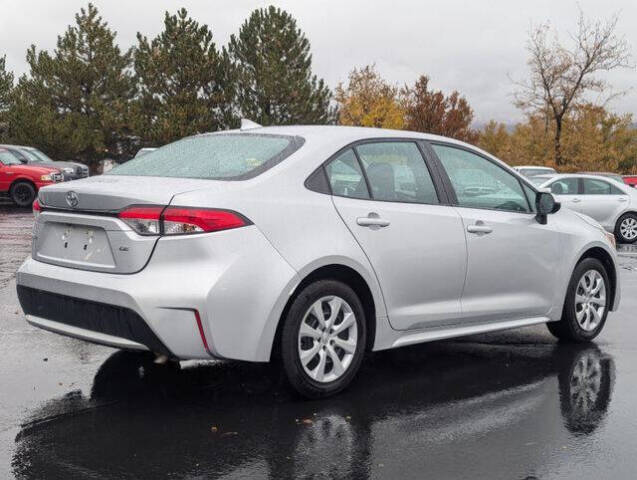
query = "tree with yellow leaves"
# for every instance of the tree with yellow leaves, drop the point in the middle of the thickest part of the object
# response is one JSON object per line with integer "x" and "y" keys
{"x": 369, "y": 101}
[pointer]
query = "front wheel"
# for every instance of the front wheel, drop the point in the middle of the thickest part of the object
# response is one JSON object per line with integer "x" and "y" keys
{"x": 586, "y": 304}
{"x": 626, "y": 228}
{"x": 22, "y": 194}
{"x": 323, "y": 338}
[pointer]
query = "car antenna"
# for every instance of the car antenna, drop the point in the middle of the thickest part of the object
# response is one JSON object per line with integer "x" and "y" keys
{"x": 247, "y": 124}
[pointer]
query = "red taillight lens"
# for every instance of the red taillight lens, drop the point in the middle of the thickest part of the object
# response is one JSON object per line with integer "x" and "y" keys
{"x": 180, "y": 220}
{"x": 156, "y": 220}
{"x": 145, "y": 220}
{"x": 36, "y": 208}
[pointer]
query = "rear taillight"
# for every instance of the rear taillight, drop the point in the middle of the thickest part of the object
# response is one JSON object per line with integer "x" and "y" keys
{"x": 160, "y": 220}
{"x": 144, "y": 220}
{"x": 36, "y": 208}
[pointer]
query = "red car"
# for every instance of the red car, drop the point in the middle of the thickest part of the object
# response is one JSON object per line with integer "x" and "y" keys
{"x": 630, "y": 180}
{"x": 22, "y": 182}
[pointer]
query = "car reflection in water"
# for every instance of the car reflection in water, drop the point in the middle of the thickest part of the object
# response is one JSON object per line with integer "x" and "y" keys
{"x": 455, "y": 409}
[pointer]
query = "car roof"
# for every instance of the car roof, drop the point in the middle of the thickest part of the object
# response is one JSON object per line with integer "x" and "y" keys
{"x": 7, "y": 145}
{"x": 340, "y": 133}
{"x": 579, "y": 175}
{"x": 542, "y": 167}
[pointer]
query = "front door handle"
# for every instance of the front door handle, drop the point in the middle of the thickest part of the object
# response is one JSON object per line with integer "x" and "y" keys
{"x": 576, "y": 200}
{"x": 372, "y": 220}
{"x": 480, "y": 228}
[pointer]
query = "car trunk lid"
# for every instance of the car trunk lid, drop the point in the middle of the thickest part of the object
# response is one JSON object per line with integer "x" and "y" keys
{"x": 78, "y": 226}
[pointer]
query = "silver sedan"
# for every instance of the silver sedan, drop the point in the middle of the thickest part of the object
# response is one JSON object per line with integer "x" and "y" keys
{"x": 308, "y": 246}
{"x": 612, "y": 203}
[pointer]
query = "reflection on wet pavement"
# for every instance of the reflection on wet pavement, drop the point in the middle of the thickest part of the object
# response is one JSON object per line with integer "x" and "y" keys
{"x": 475, "y": 411}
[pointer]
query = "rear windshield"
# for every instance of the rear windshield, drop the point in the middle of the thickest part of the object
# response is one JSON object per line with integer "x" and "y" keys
{"x": 216, "y": 157}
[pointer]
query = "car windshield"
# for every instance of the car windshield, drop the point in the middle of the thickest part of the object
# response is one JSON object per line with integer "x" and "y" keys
{"x": 229, "y": 156}
{"x": 8, "y": 158}
{"x": 43, "y": 157}
{"x": 31, "y": 155}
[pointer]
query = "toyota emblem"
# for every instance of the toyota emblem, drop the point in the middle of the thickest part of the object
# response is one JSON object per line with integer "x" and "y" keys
{"x": 72, "y": 199}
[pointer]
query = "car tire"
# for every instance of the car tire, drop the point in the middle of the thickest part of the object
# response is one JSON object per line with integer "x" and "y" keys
{"x": 579, "y": 323}
{"x": 324, "y": 358}
{"x": 626, "y": 228}
{"x": 22, "y": 194}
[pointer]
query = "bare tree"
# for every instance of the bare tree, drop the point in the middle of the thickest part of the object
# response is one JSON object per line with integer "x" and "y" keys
{"x": 561, "y": 76}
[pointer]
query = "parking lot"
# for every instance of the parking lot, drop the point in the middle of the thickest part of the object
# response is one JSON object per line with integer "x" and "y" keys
{"x": 508, "y": 405}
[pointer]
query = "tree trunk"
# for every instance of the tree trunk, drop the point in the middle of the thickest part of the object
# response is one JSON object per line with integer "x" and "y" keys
{"x": 559, "y": 161}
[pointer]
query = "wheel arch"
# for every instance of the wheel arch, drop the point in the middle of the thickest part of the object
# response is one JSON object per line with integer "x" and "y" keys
{"x": 350, "y": 277}
{"x": 607, "y": 260}
{"x": 23, "y": 179}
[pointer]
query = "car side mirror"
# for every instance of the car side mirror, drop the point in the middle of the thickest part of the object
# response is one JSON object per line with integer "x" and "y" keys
{"x": 545, "y": 204}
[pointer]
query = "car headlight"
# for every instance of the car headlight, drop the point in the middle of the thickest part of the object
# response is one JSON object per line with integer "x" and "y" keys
{"x": 611, "y": 238}
{"x": 68, "y": 170}
{"x": 46, "y": 178}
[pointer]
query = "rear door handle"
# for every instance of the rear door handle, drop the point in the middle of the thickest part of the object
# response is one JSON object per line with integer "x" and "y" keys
{"x": 576, "y": 200}
{"x": 372, "y": 220}
{"x": 480, "y": 228}
{"x": 622, "y": 199}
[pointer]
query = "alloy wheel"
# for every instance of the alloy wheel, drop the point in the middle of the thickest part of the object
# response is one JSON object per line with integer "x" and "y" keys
{"x": 22, "y": 194}
{"x": 327, "y": 339}
{"x": 590, "y": 300}
{"x": 628, "y": 228}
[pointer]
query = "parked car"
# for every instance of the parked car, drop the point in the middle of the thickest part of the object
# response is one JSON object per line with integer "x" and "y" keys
{"x": 309, "y": 245}
{"x": 532, "y": 170}
{"x": 612, "y": 203}
{"x": 21, "y": 182}
{"x": 615, "y": 176}
{"x": 33, "y": 156}
{"x": 630, "y": 180}
{"x": 144, "y": 151}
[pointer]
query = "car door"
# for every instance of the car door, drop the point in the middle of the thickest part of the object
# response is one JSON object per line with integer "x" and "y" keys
{"x": 384, "y": 192}
{"x": 6, "y": 173}
{"x": 511, "y": 258}
{"x": 602, "y": 201}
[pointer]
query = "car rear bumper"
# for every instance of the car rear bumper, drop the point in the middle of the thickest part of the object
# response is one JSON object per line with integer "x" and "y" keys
{"x": 212, "y": 295}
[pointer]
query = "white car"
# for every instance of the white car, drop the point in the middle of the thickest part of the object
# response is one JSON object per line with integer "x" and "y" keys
{"x": 532, "y": 170}
{"x": 613, "y": 204}
{"x": 310, "y": 245}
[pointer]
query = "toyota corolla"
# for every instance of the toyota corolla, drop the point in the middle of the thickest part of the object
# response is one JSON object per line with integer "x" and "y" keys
{"x": 310, "y": 246}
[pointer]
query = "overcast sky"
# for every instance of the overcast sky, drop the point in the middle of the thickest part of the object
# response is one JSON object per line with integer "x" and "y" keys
{"x": 473, "y": 46}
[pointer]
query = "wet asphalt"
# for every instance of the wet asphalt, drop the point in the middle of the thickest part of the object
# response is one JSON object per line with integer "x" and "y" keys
{"x": 511, "y": 405}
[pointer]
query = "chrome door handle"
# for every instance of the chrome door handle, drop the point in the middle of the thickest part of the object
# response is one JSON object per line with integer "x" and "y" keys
{"x": 576, "y": 200}
{"x": 372, "y": 220}
{"x": 479, "y": 228}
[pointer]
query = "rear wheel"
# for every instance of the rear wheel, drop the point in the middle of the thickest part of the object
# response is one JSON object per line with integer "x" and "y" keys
{"x": 586, "y": 305}
{"x": 626, "y": 228}
{"x": 323, "y": 338}
{"x": 22, "y": 194}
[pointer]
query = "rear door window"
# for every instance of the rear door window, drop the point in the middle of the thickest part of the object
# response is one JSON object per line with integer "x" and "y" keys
{"x": 599, "y": 187}
{"x": 214, "y": 156}
{"x": 397, "y": 172}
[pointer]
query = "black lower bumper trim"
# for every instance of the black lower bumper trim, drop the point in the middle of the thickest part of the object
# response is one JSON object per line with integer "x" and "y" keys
{"x": 94, "y": 316}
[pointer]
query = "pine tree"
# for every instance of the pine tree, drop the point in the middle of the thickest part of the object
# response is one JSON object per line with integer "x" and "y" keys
{"x": 6, "y": 86}
{"x": 275, "y": 84}
{"x": 184, "y": 84}
{"x": 74, "y": 101}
